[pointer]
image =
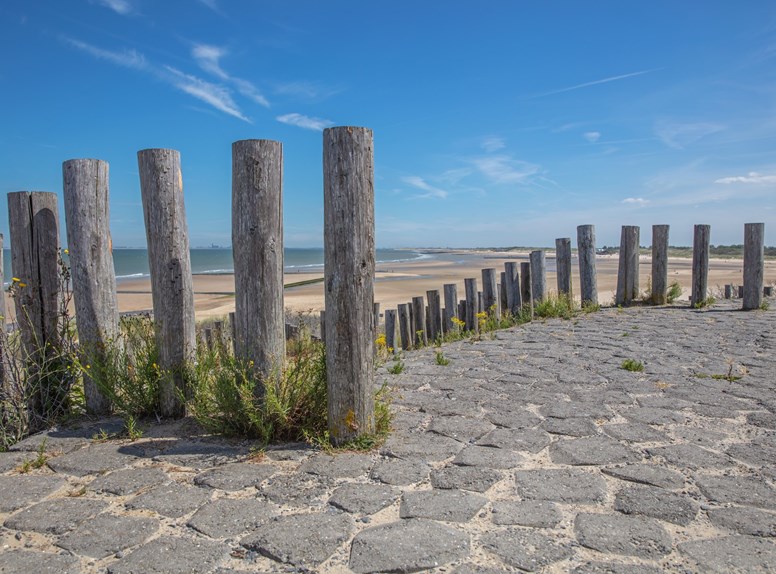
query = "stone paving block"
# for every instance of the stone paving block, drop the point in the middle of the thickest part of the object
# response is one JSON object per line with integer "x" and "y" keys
{"x": 232, "y": 477}
{"x": 463, "y": 429}
{"x": 533, "y": 513}
{"x": 447, "y": 505}
{"x": 766, "y": 420}
{"x": 567, "y": 486}
{"x": 20, "y": 490}
{"x": 477, "y": 569}
{"x": 107, "y": 534}
{"x": 465, "y": 478}
{"x": 654, "y": 416}
{"x": 129, "y": 481}
{"x": 744, "y": 520}
{"x": 407, "y": 546}
{"x": 662, "y": 402}
{"x": 297, "y": 489}
{"x": 576, "y": 426}
{"x": 742, "y": 490}
{"x": 13, "y": 460}
{"x": 512, "y": 418}
{"x": 399, "y": 472}
{"x": 689, "y": 456}
{"x": 32, "y": 561}
{"x": 755, "y": 453}
{"x": 634, "y": 432}
{"x": 172, "y": 499}
{"x": 358, "y": 498}
{"x": 424, "y": 446}
{"x": 528, "y": 440}
{"x": 295, "y": 451}
{"x": 647, "y": 474}
{"x": 199, "y": 455}
{"x": 713, "y": 411}
{"x": 591, "y": 451}
{"x": 697, "y": 436}
{"x": 627, "y": 535}
{"x": 450, "y": 407}
{"x": 657, "y": 503}
{"x": 526, "y": 549}
{"x": 573, "y": 409}
{"x": 228, "y": 517}
{"x": 615, "y": 568}
{"x": 732, "y": 554}
{"x": 345, "y": 465}
{"x": 94, "y": 459}
{"x": 173, "y": 555}
{"x": 488, "y": 457}
{"x": 301, "y": 539}
{"x": 55, "y": 516}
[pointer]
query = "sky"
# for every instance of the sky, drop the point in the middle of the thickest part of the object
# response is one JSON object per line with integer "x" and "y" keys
{"x": 498, "y": 123}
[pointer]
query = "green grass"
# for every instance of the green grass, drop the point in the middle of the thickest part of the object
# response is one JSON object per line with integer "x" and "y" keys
{"x": 441, "y": 359}
{"x": 632, "y": 365}
{"x": 674, "y": 292}
{"x": 397, "y": 367}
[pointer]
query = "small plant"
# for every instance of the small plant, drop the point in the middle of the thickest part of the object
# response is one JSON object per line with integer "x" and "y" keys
{"x": 764, "y": 306}
{"x": 397, "y": 367}
{"x": 707, "y": 302}
{"x": 674, "y": 291}
{"x": 441, "y": 359}
{"x": 555, "y": 306}
{"x": 632, "y": 365}
{"x": 35, "y": 463}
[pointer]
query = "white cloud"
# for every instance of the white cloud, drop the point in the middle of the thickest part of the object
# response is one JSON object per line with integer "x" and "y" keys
{"x": 505, "y": 169}
{"x": 751, "y": 177}
{"x": 209, "y": 59}
{"x": 592, "y": 137}
{"x": 680, "y": 135}
{"x": 306, "y": 122}
{"x": 639, "y": 201}
{"x": 122, "y": 7}
{"x": 216, "y": 95}
{"x": 125, "y": 58}
{"x": 596, "y": 82}
{"x": 492, "y": 144}
{"x": 420, "y": 183}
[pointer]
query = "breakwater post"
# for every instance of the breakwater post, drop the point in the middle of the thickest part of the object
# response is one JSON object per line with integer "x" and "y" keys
{"x": 490, "y": 292}
{"x": 563, "y": 265}
{"x": 434, "y": 324}
{"x": 588, "y": 282}
{"x": 451, "y": 305}
{"x": 405, "y": 326}
{"x": 659, "y": 264}
{"x": 526, "y": 288}
{"x": 471, "y": 304}
{"x": 700, "y": 264}
{"x": 628, "y": 266}
{"x": 513, "y": 287}
{"x": 538, "y": 276}
{"x": 419, "y": 317}
{"x": 390, "y": 330}
{"x": 754, "y": 265}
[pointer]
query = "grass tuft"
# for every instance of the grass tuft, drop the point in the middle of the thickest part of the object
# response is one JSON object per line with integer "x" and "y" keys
{"x": 632, "y": 365}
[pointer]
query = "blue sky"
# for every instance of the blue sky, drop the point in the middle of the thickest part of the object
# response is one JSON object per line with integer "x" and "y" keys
{"x": 499, "y": 123}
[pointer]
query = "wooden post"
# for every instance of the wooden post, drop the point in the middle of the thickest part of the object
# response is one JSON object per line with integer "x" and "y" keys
{"x": 700, "y": 264}
{"x": 87, "y": 214}
{"x": 728, "y": 291}
{"x": 462, "y": 311}
{"x": 257, "y": 247}
{"x": 754, "y": 265}
{"x": 768, "y": 291}
{"x": 209, "y": 338}
{"x": 588, "y": 282}
{"x": 740, "y": 291}
{"x": 3, "y": 338}
{"x": 405, "y": 326}
{"x": 526, "y": 288}
{"x": 471, "y": 304}
{"x": 628, "y": 266}
{"x": 502, "y": 293}
{"x": 349, "y": 269}
{"x": 538, "y": 275}
{"x": 232, "y": 327}
{"x": 419, "y": 333}
{"x": 161, "y": 188}
{"x": 3, "y": 311}
{"x": 434, "y": 325}
{"x": 480, "y": 304}
{"x": 390, "y": 330}
{"x": 659, "y": 264}
{"x": 451, "y": 305}
{"x": 514, "y": 299}
{"x": 490, "y": 292}
{"x": 563, "y": 266}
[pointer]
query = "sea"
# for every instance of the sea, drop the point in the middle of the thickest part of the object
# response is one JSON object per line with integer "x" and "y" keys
{"x": 133, "y": 263}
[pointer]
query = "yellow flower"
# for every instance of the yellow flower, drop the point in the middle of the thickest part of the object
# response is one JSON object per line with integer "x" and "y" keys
{"x": 22, "y": 284}
{"x": 88, "y": 366}
{"x": 16, "y": 279}
{"x": 67, "y": 252}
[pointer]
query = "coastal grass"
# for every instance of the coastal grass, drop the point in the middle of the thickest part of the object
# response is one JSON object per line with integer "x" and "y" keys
{"x": 632, "y": 365}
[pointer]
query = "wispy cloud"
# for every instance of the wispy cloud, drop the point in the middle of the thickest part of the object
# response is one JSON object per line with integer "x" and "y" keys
{"x": 596, "y": 82}
{"x": 208, "y": 58}
{"x": 420, "y": 183}
{"x": 306, "y": 122}
{"x": 122, "y": 7}
{"x": 592, "y": 137}
{"x": 638, "y": 201}
{"x": 505, "y": 169}
{"x": 752, "y": 177}
{"x": 678, "y": 135}
{"x": 491, "y": 144}
{"x": 126, "y": 58}
{"x": 305, "y": 90}
{"x": 212, "y": 4}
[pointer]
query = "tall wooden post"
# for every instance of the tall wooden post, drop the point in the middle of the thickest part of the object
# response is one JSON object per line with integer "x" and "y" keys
{"x": 628, "y": 266}
{"x": 434, "y": 325}
{"x": 563, "y": 265}
{"x": 514, "y": 299}
{"x": 754, "y": 265}
{"x": 390, "y": 330}
{"x": 2, "y": 282}
{"x": 538, "y": 275}
{"x": 659, "y": 264}
{"x": 161, "y": 188}
{"x": 588, "y": 282}
{"x": 489, "y": 292}
{"x": 405, "y": 326}
{"x": 451, "y": 305}
{"x": 257, "y": 248}
{"x": 471, "y": 304}
{"x": 3, "y": 339}
{"x": 502, "y": 293}
{"x": 87, "y": 213}
{"x": 526, "y": 288}
{"x": 420, "y": 334}
{"x": 349, "y": 269}
{"x": 700, "y": 264}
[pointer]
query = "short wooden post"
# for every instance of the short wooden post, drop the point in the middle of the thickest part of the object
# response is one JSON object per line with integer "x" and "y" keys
{"x": 768, "y": 291}
{"x": 659, "y": 264}
{"x": 588, "y": 282}
{"x": 419, "y": 333}
{"x": 502, "y": 293}
{"x": 209, "y": 342}
{"x": 728, "y": 291}
{"x": 514, "y": 299}
{"x": 349, "y": 269}
{"x": 471, "y": 304}
{"x": 526, "y": 288}
{"x": 232, "y": 327}
{"x": 754, "y": 265}
{"x": 161, "y": 188}
{"x": 257, "y": 247}
{"x": 538, "y": 275}
{"x": 390, "y": 330}
{"x": 563, "y": 266}
{"x": 87, "y": 214}
{"x": 451, "y": 305}
{"x": 405, "y": 326}
{"x": 462, "y": 311}
{"x": 628, "y": 266}
{"x": 480, "y": 303}
{"x": 489, "y": 292}
{"x": 700, "y": 264}
{"x": 434, "y": 325}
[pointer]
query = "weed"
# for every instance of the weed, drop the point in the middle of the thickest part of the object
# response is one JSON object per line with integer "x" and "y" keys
{"x": 707, "y": 302}
{"x": 441, "y": 359}
{"x": 764, "y": 306}
{"x": 632, "y": 365}
{"x": 555, "y": 306}
{"x": 674, "y": 291}
{"x": 35, "y": 463}
{"x": 397, "y": 367}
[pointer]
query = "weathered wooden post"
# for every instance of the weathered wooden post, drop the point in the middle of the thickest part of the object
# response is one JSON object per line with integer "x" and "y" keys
{"x": 502, "y": 293}
{"x": 87, "y": 214}
{"x": 390, "y": 330}
{"x": 740, "y": 291}
{"x": 526, "y": 288}
{"x": 754, "y": 265}
{"x": 349, "y": 269}
{"x": 161, "y": 188}
{"x": 514, "y": 299}
{"x": 563, "y": 266}
{"x": 2, "y": 282}
{"x": 628, "y": 266}
{"x": 728, "y": 291}
{"x": 257, "y": 248}
{"x": 405, "y": 326}
{"x": 3, "y": 340}
{"x": 434, "y": 325}
{"x": 700, "y": 264}
{"x": 490, "y": 293}
{"x": 451, "y": 305}
{"x": 420, "y": 335}
{"x": 471, "y": 304}
{"x": 659, "y": 264}
{"x": 538, "y": 275}
{"x": 588, "y": 282}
